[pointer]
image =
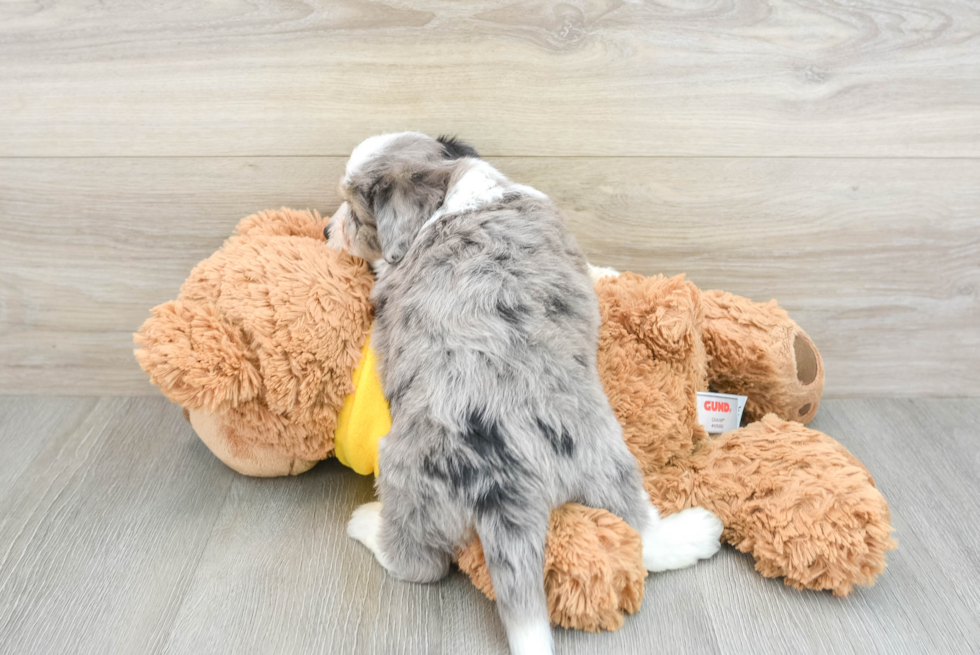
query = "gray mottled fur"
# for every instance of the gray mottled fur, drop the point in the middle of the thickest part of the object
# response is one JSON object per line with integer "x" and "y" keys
{"x": 486, "y": 330}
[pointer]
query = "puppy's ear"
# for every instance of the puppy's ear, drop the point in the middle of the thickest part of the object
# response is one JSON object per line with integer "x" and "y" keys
{"x": 403, "y": 202}
{"x": 453, "y": 148}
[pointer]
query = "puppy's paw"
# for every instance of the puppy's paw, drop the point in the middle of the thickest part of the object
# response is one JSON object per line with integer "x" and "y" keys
{"x": 681, "y": 539}
{"x": 365, "y": 526}
{"x": 531, "y": 637}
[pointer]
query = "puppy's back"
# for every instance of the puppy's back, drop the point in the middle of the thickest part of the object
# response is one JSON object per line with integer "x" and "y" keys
{"x": 494, "y": 308}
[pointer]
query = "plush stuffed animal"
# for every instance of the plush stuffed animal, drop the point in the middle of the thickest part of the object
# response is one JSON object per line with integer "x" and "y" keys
{"x": 267, "y": 349}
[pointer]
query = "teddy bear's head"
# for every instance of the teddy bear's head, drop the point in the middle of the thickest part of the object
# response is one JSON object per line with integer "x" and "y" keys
{"x": 260, "y": 344}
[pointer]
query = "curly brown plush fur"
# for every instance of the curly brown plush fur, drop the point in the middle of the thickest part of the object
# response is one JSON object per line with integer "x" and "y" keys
{"x": 806, "y": 509}
{"x": 652, "y": 363}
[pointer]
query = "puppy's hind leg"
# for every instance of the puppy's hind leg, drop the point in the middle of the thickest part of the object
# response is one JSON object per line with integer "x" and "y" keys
{"x": 365, "y": 526}
{"x": 402, "y": 551}
{"x": 614, "y": 483}
{"x": 413, "y": 530}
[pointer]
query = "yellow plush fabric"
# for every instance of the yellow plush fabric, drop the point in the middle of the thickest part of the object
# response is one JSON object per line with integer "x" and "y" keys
{"x": 364, "y": 419}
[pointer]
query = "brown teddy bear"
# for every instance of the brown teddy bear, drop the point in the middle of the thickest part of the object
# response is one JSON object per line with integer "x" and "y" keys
{"x": 267, "y": 349}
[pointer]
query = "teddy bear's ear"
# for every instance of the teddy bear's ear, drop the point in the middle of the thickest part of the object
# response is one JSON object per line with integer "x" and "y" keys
{"x": 283, "y": 222}
{"x": 663, "y": 313}
{"x": 197, "y": 360}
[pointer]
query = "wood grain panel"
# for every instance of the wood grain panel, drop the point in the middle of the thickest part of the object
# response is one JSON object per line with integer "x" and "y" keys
{"x": 878, "y": 260}
{"x": 123, "y": 534}
{"x": 534, "y": 77}
{"x": 82, "y": 239}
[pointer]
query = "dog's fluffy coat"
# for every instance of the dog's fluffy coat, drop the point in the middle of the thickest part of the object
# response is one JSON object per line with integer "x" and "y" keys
{"x": 486, "y": 329}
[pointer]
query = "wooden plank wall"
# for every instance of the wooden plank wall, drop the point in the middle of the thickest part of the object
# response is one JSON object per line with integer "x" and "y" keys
{"x": 825, "y": 154}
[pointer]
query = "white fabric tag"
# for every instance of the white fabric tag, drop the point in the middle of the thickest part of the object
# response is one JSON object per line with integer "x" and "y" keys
{"x": 720, "y": 412}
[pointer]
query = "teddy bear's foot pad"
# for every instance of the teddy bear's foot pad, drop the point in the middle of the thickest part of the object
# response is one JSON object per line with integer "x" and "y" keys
{"x": 681, "y": 539}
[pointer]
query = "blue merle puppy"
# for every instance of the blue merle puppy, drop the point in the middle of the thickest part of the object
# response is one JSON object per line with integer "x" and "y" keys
{"x": 486, "y": 330}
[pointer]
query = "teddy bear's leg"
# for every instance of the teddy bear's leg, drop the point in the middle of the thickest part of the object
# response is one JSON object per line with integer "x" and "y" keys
{"x": 757, "y": 350}
{"x": 593, "y": 568}
{"x": 804, "y": 507}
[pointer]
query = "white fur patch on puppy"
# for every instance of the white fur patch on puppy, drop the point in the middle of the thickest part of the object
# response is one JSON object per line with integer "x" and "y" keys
{"x": 368, "y": 148}
{"x": 681, "y": 539}
{"x": 531, "y": 638}
{"x": 365, "y": 526}
{"x": 379, "y": 266}
{"x": 596, "y": 273}
{"x": 480, "y": 185}
{"x": 528, "y": 191}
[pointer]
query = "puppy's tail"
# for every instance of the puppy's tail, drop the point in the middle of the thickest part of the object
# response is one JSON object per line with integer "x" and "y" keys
{"x": 515, "y": 560}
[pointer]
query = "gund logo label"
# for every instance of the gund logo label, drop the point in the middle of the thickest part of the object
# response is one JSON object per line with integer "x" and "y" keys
{"x": 720, "y": 412}
{"x": 717, "y": 406}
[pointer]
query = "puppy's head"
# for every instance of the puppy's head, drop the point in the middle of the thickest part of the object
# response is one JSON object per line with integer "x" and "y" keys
{"x": 392, "y": 185}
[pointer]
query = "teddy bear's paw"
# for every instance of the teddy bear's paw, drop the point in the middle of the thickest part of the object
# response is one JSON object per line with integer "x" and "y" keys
{"x": 365, "y": 526}
{"x": 681, "y": 539}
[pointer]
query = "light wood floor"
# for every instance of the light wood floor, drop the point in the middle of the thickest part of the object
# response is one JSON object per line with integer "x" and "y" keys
{"x": 825, "y": 154}
{"x": 120, "y": 533}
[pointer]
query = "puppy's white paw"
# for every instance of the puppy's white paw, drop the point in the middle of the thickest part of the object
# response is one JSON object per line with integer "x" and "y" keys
{"x": 365, "y": 526}
{"x": 681, "y": 539}
{"x": 531, "y": 638}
